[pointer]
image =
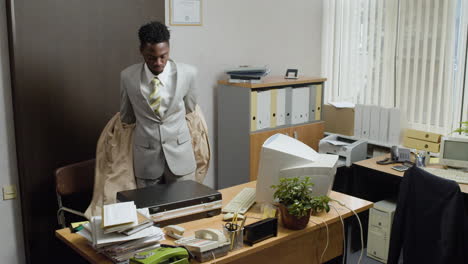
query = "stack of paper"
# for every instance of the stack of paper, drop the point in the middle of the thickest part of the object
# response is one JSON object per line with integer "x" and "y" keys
{"x": 139, "y": 236}
{"x": 119, "y": 216}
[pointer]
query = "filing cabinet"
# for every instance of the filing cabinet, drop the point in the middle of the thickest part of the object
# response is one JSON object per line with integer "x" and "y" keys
{"x": 243, "y": 126}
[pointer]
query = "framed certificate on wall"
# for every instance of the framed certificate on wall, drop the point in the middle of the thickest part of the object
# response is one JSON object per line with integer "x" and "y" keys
{"x": 185, "y": 12}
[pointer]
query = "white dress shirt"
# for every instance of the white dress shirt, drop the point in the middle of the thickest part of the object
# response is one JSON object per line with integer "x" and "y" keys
{"x": 168, "y": 85}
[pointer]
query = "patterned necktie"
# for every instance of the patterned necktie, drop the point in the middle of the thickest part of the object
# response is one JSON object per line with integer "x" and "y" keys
{"x": 155, "y": 96}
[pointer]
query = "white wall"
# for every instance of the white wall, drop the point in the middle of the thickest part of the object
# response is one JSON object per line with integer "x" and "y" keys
{"x": 11, "y": 247}
{"x": 278, "y": 33}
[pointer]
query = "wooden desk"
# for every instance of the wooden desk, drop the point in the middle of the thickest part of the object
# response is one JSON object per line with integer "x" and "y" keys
{"x": 304, "y": 246}
{"x": 371, "y": 164}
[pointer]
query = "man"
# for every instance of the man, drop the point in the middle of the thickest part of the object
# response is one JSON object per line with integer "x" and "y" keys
{"x": 156, "y": 95}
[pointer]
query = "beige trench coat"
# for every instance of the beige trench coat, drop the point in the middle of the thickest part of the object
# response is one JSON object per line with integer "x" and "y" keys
{"x": 114, "y": 156}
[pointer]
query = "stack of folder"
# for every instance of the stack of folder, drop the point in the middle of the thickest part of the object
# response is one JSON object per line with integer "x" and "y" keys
{"x": 122, "y": 231}
{"x": 247, "y": 74}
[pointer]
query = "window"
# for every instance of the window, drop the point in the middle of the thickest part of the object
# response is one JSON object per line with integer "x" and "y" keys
{"x": 398, "y": 53}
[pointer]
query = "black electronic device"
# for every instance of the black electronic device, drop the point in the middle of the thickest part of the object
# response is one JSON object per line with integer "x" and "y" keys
{"x": 164, "y": 200}
{"x": 260, "y": 231}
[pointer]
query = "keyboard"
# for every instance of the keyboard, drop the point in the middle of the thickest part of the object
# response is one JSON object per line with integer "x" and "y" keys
{"x": 454, "y": 175}
{"x": 241, "y": 202}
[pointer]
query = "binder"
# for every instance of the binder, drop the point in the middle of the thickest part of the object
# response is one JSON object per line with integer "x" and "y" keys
{"x": 318, "y": 102}
{"x": 263, "y": 109}
{"x": 273, "y": 107}
{"x": 383, "y": 128}
{"x": 358, "y": 109}
{"x": 374, "y": 123}
{"x": 366, "y": 115}
{"x": 295, "y": 105}
{"x": 253, "y": 111}
{"x": 312, "y": 102}
{"x": 306, "y": 105}
{"x": 300, "y": 108}
{"x": 288, "y": 108}
{"x": 394, "y": 128}
{"x": 280, "y": 107}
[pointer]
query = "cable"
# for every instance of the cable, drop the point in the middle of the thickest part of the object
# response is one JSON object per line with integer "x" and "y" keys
{"x": 214, "y": 258}
{"x": 344, "y": 237}
{"x": 326, "y": 245}
{"x": 360, "y": 227}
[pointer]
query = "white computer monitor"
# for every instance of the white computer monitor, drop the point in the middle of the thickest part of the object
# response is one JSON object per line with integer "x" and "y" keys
{"x": 454, "y": 152}
{"x": 283, "y": 156}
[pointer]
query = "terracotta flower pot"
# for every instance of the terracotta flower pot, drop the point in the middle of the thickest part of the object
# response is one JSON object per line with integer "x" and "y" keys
{"x": 292, "y": 221}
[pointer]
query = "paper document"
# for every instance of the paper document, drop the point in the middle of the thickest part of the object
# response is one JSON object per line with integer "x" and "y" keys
{"x": 342, "y": 104}
{"x": 336, "y": 142}
{"x": 118, "y": 214}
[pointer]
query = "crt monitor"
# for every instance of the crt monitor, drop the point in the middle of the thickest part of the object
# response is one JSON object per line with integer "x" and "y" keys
{"x": 283, "y": 156}
{"x": 454, "y": 152}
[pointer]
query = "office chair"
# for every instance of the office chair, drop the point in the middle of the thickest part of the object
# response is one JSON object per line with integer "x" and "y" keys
{"x": 74, "y": 179}
{"x": 430, "y": 222}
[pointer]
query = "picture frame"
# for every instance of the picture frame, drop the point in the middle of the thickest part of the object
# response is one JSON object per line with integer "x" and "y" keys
{"x": 185, "y": 12}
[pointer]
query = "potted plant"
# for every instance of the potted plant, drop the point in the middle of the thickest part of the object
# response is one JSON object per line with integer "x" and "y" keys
{"x": 320, "y": 204}
{"x": 295, "y": 201}
{"x": 463, "y": 129}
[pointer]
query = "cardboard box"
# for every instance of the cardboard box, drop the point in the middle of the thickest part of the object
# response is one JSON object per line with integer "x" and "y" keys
{"x": 338, "y": 120}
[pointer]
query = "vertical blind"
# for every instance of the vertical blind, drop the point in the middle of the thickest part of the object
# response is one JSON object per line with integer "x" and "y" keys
{"x": 396, "y": 53}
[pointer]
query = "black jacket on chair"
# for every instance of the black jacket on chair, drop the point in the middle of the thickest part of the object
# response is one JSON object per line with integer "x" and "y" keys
{"x": 430, "y": 223}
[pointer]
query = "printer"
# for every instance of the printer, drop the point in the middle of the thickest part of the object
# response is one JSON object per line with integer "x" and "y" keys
{"x": 348, "y": 150}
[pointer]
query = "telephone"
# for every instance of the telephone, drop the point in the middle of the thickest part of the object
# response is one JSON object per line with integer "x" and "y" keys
{"x": 166, "y": 255}
{"x": 204, "y": 240}
{"x": 174, "y": 231}
{"x": 397, "y": 155}
{"x": 211, "y": 234}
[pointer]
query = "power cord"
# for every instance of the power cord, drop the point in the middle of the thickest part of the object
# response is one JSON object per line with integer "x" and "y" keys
{"x": 326, "y": 245}
{"x": 360, "y": 227}
{"x": 344, "y": 237}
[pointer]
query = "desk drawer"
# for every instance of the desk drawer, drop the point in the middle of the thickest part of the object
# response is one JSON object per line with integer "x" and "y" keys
{"x": 421, "y": 144}
{"x": 423, "y": 135}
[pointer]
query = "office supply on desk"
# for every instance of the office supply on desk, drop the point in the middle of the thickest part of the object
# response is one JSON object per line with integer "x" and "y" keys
{"x": 174, "y": 231}
{"x": 400, "y": 167}
{"x": 119, "y": 216}
{"x": 235, "y": 235}
{"x": 162, "y": 255}
{"x": 348, "y": 150}
{"x": 454, "y": 152}
{"x": 260, "y": 231}
{"x": 206, "y": 243}
{"x": 242, "y": 202}
{"x": 176, "y": 202}
{"x": 230, "y": 216}
{"x": 397, "y": 155}
{"x": 283, "y": 156}
{"x": 454, "y": 175}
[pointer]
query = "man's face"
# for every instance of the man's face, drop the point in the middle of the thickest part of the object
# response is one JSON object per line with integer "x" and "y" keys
{"x": 155, "y": 56}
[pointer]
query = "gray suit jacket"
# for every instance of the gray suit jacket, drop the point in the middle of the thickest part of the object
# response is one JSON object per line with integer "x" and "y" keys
{"x": 155, "y": 139}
